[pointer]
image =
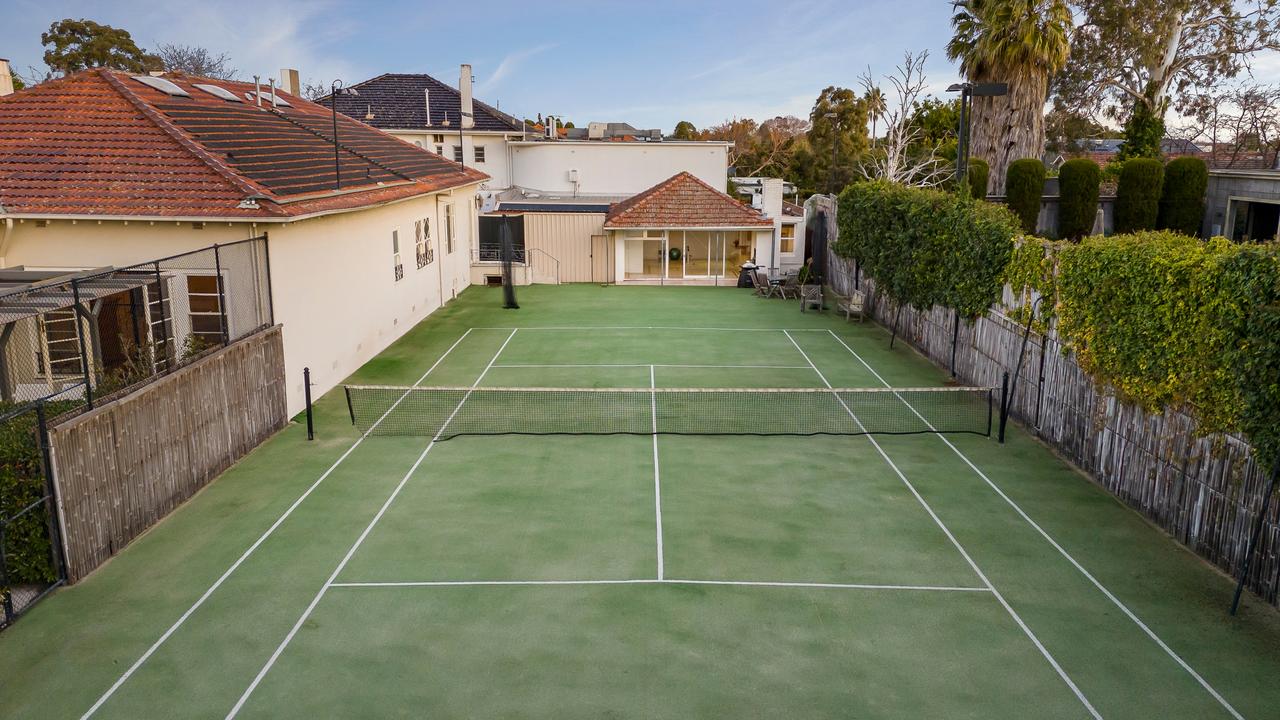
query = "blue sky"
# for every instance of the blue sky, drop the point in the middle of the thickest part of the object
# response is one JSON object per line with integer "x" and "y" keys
{"x": 647, "y": 62}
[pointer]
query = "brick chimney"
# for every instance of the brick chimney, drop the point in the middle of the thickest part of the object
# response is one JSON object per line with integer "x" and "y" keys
{"x": 289, "y": 82}
{"x": 464, "y": 90}
{"x": 6, "y": 78}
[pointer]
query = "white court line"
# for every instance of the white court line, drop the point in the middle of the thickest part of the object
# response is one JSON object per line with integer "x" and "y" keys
{"x": 646, "y": 365}
{"x": 658, "y": 581}
{"x": 654, "y": 327}
{"x": 262, "y": 538}
{"x": 235, "y": 710}
{"x": 1062, "y": 551}
{"x": 964, "y": 553}
{"x": 657, "y": 482}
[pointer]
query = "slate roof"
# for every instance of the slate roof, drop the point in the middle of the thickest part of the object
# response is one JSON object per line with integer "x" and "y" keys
{"x": 683, "y": 201}
{"x": 100, "y": 142}
{"x": 398, "y": 101}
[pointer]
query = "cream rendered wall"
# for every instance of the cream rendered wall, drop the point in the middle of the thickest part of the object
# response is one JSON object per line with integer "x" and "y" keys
{"x": 332, "y": 278}
{"x": 609, "y": 168}
{"x": 496, "y": 163}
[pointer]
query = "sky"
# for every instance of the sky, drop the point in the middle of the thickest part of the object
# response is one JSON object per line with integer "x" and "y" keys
{"x": 651, "y": 63}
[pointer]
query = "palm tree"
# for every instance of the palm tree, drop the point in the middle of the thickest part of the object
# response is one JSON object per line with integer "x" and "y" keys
{"x": 1019, "y": 42}
{"x": 876, "y": 107}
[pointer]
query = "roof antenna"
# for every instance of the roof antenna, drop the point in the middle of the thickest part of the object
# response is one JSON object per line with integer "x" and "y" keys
{"x": 257, "y": 89}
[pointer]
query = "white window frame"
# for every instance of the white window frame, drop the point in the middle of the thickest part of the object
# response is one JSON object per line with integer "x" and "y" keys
{"x": 448, "y": 229}
{"x": 782, "y": 239}
{"x": 395, "y": 254}
{"x": 422, "y": 234}
{"x": 457, "y": 153}
{"x": 478, "y": 152}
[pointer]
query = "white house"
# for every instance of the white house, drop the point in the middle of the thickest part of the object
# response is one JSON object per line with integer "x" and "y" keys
{"x": 102, "y": 168}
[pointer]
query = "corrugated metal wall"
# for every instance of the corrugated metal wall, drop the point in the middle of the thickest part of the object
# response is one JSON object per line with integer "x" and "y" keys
{"x": 565, "y": 237}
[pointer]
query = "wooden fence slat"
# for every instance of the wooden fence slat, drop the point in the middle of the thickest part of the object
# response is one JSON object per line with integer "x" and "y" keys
{"x": 125, "y": 465}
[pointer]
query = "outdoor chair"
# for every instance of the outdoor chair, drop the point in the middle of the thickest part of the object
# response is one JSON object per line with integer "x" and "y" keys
{"x": 854, "y": 304}
{"x": 810, "y": 297}
{"x": 761, "y": 283}
{"x": 790, "y": 286}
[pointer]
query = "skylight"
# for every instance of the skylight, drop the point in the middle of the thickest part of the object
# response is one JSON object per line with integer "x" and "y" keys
{"x": 159, "y": 83}
{"x": 218, "y": 92}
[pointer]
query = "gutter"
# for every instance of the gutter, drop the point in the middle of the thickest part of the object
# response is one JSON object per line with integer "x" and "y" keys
{"x": 4, "y": 241}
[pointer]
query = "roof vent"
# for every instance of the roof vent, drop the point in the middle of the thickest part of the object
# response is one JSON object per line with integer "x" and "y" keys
{"x": 159, "y": 83}
{"x": 218, "y": 92}
{"x": 266, "y": 98}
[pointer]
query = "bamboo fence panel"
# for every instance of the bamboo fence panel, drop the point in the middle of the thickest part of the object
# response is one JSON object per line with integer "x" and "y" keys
{"x": 122, "y": 467}
{"x": 1205, "y": 490}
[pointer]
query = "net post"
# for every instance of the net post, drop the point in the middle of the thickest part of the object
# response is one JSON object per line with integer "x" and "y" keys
{"x": 508, "y": 250}
{"x": 306, "y": 393}
{"x": 350, "y": 410}
{"x": 1004, "y": 403}
{"x": 955, "y": 338}
{"x": 1254, "y": 536}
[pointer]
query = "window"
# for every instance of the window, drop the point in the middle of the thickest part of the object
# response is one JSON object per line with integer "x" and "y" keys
{"x": 395, "y": 254}
{"x": 479, "y": 150}
{"x": 437, "y": 139}
{"x": 440, "y": 150}
{"x": 205, "y": 306}
{"x": 788, "y": 244}
{"x": 422, "y": 233}
{"x": 419, "y": 144}
{"x": 448, "y": 229}
{"x": 457, "y": 153}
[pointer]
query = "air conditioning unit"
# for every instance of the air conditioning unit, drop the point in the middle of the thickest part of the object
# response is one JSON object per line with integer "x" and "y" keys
{"x": 596, "y": 130}
{"x": 573, "y": 175}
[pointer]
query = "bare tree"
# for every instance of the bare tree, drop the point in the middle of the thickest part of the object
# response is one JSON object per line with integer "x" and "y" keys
{"x": 195, "y": 60}
{"x": 1240, "y": 124}
{"x": 901, "y": 157}
{"x": 313, "y": 91}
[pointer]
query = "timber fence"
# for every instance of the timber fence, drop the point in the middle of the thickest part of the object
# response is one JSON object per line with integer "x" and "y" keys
{"x": 1206, "y": 491}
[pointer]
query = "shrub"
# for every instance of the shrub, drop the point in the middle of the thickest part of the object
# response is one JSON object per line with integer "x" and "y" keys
{"x": 1138, "y": 195}
{"x": 979, "y": 171}
{"x": 28, "y": 553}
{"x": 927, "y": 247}
{"x": 1024, "y": 187}
{"x": 1078, "y": 182}
{"x": 1182, "y": 202}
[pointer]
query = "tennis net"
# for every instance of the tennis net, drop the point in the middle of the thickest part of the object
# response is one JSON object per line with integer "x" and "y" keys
{"x": 449, "y": 412}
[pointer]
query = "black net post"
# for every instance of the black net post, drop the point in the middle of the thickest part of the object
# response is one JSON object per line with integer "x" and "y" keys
{"x": 508, "y": 284}
{"x": 1004, "y": 403}
{"x": 350, "y": 408}
{"x": 955, "y": 338}
{"x": 1254, "y": 536}
{"x": 306, "y": 393}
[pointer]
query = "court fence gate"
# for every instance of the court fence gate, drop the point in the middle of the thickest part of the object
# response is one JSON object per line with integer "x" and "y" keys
{"x": 1206, "y": 491}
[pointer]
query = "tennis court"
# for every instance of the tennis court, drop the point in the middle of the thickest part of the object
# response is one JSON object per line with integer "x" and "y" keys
{"x": 603, "y": 515}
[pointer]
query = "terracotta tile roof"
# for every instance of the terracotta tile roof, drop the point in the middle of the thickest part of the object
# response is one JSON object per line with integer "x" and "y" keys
{"x": 683, "y": 201}
{"x": 100, "y": 142}
{"x": 399, "y": 101}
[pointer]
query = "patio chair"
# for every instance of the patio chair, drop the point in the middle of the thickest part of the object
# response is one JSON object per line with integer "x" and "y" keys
{"x": 790, "y": 286}
{"x": 764, "y": 287}
{"x": 810, "y": 297}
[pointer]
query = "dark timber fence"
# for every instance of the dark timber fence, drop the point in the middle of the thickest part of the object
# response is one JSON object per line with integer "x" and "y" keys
{"x": 1205, "y": 491}
{"x": 124, "y": 465}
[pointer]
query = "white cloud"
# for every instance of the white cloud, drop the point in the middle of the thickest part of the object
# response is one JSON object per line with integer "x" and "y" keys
{"x": 509, "y": 64}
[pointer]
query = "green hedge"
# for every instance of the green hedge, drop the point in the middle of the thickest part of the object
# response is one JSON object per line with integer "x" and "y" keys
{"x": 1138, "y": 195}
{"x": 978, "y": 172}
{"x": 28, "y": 554}
{"x": 1078, "y": 182}
{"x": 1182, "y": 201}
{"x": 1024, "y": 188}
{"x": 927, "y": 247}
{"x": 1167, "y": 320}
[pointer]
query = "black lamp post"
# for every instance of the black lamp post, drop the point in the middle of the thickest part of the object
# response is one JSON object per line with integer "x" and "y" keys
{"x": 968, "y": 91}
{"x": 336, "y": 89}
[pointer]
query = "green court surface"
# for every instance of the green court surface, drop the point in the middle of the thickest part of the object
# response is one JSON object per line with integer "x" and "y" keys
{"x": 645, "y": 576}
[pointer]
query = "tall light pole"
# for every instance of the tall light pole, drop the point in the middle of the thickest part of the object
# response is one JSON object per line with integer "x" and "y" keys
{"x": 968, "y": 91}
{"x": 835, "y": 147}
{"x": 336, "y": 89}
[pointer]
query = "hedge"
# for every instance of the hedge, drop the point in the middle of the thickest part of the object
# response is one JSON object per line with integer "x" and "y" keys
{"x": 28, "y": 554}
{"x": 1138, "y": 195}
{"x": 1182, "y": 202}
{"x": 1167, "y": 320}
{"x": 927, "y": 247}
{"x": 979, "y": 172}
{"x": 1078, "y": 182}
{"x": 1024, "y": 188}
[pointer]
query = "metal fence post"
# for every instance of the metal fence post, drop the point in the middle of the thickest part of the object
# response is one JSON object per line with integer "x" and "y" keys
{"x": 1004, "y": 403}
{"x": 51, "y": 492}
{"x": 306, "y": 391}
{"x": 271, "y": 303}
{"x": 84, "y": 355}
{"x": 222, "y": 296}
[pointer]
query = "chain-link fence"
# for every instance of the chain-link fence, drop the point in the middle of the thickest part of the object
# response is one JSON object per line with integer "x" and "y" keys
{"x": 90, "y": 335}
{"x": 71, "y": 341}
{"x": 31, "y": 562}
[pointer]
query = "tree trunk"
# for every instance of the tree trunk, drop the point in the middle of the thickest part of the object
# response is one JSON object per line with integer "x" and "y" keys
{"x": 1009, "y": 127}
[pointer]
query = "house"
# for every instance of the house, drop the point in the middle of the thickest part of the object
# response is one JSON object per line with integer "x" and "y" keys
{"x": 1243, "y": 204}
{"x": 793, "y": 242}
{"x": 366, "y": 234}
